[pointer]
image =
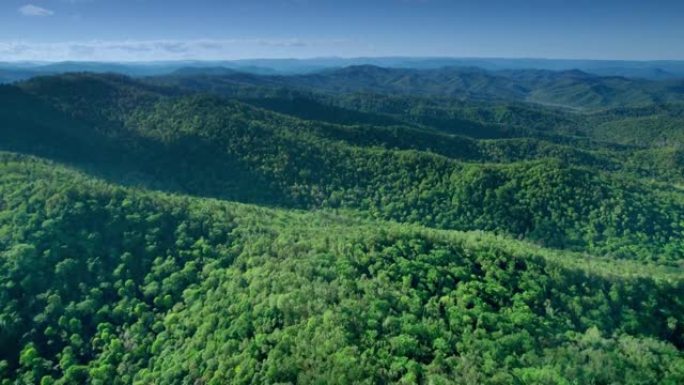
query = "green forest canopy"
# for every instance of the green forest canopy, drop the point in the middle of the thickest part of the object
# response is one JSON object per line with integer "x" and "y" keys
{"x": 382, "y": 237}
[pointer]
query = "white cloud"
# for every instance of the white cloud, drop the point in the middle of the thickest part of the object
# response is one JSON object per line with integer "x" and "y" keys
{"x": 34, "y": 10}
{"x": 157, "y": 50}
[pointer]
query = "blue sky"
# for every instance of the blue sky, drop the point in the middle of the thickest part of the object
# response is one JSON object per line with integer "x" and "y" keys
{"x": 139, "y": 30}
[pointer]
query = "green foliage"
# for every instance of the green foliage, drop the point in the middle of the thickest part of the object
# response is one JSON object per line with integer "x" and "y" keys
{"x": 112, "y": 286}
{"x": 571, "y": 89}
{"x": 410, "y": 239}
{"x": 560, "y": 195}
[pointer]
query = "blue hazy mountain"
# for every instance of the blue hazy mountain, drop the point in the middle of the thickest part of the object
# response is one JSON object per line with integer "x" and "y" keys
{"x": 654, "y": 70}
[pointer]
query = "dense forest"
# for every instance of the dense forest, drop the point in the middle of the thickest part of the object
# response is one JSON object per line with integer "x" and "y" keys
{"x": 359, "y": 225}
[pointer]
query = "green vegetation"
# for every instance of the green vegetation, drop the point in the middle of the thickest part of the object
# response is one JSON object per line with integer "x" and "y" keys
{"x": 573, "y": 89}
{"x": 199, "y": 230}
{"x": 123, "y": 286}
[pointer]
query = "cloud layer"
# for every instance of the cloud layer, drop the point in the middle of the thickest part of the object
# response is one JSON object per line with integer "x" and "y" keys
{"x": 151, "y": 50}
{"x": 34, "y": 10}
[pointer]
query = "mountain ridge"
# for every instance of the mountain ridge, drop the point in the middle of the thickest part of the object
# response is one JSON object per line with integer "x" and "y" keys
{"x": 239, "y": 228}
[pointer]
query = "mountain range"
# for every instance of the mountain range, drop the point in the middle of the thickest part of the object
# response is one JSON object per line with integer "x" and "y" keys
{"x": 652, "y": 70}
{"x": 364, "y": 224}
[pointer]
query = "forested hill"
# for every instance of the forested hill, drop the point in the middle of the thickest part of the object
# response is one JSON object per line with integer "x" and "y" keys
{"x": 107, "y": 285}
{"x": 571, "y": 89}
{"x": 363, "y": 225}
{"x": 557, "y": 194}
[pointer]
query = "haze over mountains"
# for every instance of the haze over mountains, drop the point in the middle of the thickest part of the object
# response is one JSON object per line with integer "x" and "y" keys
{"x": 572, "y": 88}
{"x": 654, "y": 70}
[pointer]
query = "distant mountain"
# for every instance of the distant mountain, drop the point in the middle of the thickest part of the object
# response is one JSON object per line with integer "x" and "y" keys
{"x": 663, "y": 69}
{"x": 652, "y": 70}
{"x": 571, "y": 88}
{"x": 13, "y": 75}
{"x": 206, "y": 71}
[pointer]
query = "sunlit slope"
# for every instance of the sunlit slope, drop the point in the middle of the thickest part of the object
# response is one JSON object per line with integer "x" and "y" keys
{"x": 557, "y": 195}
{"x": 104, "y": 284}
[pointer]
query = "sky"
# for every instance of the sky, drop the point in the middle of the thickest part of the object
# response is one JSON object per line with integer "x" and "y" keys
{"x": 146, "y": 30}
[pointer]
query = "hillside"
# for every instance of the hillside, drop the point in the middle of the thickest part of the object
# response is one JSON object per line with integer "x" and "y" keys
{"x": 570, "y": 89}
{"x": 364, "y": 225}
{"x": 555, "y": 194}
{"x": 127, "y": 286}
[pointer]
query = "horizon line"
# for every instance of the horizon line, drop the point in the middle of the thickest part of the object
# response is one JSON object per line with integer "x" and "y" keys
{"x": 364, "y": 57}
